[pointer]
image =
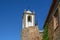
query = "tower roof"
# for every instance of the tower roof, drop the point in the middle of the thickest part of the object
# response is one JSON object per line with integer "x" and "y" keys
{"x": 28, "y": 11}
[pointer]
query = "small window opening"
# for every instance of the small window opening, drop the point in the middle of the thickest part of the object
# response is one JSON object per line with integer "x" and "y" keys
{"x": 29, "y": 18}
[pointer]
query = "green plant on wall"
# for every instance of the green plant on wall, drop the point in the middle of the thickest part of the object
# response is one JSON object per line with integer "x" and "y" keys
{"x": 45, "y": 32}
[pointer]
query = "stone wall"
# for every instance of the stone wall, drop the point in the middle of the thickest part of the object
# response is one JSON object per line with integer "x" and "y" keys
{"x": 30, "y": 33}
{"x": 50, "y": 29}
{"x": 57, "y": 31}
{"x": 41, "y": 35}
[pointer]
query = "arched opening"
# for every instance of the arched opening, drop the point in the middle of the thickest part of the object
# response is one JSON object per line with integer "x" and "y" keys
{"x": 29, "y": 18}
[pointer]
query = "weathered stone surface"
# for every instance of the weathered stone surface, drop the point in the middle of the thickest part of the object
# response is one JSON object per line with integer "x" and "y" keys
{"x": 53, "y": 21}
{"x": 30, "y": 33}
{"x": 41, "y": 35}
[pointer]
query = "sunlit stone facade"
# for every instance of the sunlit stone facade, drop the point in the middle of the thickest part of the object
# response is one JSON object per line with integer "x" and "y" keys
{"x": 53, "y": 20}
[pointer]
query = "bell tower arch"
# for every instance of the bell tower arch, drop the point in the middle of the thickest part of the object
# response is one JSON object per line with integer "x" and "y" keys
{"x": 28, "y": 19}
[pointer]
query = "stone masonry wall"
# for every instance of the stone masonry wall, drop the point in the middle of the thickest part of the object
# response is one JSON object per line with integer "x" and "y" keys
{"x": 30, "y": 33}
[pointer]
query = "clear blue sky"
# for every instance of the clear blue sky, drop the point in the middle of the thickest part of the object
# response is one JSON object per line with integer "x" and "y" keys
{"x": 11, "y": 12}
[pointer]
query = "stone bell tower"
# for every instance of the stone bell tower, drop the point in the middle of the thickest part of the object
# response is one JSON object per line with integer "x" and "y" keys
{"x": 28, "y": 19}
{"x": 29, "y": 29}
